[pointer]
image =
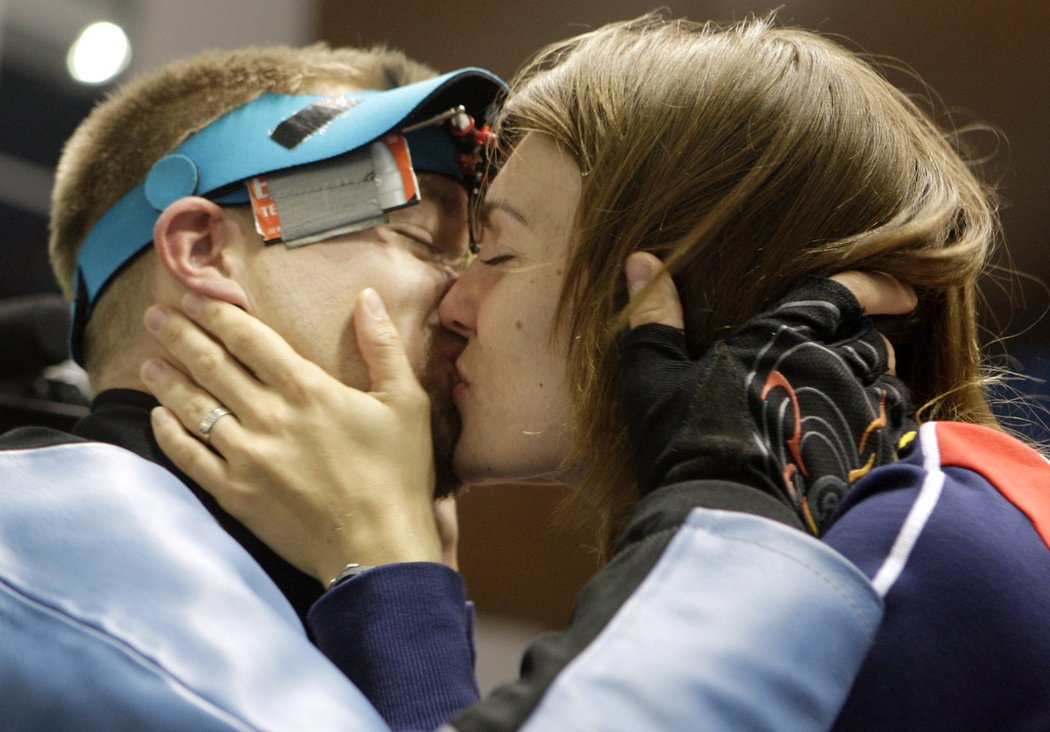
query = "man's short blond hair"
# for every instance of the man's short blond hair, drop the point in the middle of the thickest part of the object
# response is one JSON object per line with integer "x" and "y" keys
{"x": 114, "y": 148}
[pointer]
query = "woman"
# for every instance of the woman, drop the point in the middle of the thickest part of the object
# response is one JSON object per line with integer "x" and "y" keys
{"x": 746, "y": 158}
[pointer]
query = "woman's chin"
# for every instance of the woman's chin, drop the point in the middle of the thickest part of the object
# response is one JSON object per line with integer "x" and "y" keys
{"x": 473, "y": 470}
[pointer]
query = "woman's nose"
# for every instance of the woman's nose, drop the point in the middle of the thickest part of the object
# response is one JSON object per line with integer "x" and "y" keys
{"x": 458, "y": 308}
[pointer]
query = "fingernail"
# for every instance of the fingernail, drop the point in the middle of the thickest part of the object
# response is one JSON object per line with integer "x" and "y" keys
{"x": 192, "y": 303}
{"x": 638, "y": 274}
{"x": 156, "y": 317}
{"x": 374, "y": 304}
{"x": 152, "y": 369}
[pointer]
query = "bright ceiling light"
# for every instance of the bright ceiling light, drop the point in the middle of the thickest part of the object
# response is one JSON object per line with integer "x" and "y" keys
{"x": 99, "y": 54}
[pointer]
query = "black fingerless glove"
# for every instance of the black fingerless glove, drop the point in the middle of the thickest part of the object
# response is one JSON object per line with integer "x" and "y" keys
{"x": 796, "y": 404}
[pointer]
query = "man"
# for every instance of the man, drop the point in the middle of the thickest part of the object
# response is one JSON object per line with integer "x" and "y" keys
{"x": 227, "y": 175}
{"x": 106, "y": 267}
{"x": 123, "y": 603}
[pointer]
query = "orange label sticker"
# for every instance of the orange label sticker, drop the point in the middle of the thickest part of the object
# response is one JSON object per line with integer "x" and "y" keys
{"x": 267, "y": 219}
{"x": 399, "y": 147}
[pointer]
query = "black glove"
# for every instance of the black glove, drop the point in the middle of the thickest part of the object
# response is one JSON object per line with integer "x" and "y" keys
{"x": 796, "y": 404}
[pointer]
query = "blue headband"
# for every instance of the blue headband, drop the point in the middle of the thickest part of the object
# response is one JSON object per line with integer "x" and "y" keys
{"x": 270, "y": 133}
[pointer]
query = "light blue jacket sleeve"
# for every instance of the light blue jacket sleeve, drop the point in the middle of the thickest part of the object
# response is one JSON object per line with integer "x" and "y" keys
{"x": 124, "y": 606}
{"x": 744, "y": 624}
{"x": 703, "y": 619}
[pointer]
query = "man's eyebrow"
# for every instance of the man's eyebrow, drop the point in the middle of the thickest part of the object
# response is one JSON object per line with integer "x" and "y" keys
{"x": 449, "y": 201}
{"x": 491, "y": 205}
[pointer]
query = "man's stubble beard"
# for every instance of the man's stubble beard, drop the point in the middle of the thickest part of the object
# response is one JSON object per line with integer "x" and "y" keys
{"x": 445, "y": 424}
{"x": 445, "y": 427}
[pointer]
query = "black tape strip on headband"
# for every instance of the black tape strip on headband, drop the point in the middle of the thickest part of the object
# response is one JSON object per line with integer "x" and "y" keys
{"x": 310, "y": 120}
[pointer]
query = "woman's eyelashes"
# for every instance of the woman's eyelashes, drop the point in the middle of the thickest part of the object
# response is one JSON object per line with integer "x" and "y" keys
{"x": 496, "y": 260}
{"x": 488, "y": 241}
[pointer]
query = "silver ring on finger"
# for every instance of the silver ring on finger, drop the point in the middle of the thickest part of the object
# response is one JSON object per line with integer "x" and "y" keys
{"x": 208, "y": 423}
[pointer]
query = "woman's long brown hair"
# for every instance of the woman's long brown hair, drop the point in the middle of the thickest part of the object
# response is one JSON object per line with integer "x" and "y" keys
{"x": 745, "y": 157}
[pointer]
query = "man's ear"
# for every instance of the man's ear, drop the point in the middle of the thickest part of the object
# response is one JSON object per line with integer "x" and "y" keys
{"x": 201, "y": 245}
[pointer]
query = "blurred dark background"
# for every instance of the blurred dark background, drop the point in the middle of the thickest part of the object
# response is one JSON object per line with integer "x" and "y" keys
{"x": 987, "y": 61}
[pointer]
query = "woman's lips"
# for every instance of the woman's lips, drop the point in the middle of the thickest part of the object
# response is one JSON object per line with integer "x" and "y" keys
{"x": 459, "y": 391}
{"x": 461, "y": 385}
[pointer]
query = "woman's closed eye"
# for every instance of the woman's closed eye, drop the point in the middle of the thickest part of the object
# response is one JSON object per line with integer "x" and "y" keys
{"x": 495, "y": 260}
{"x": 488, "y": 244}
